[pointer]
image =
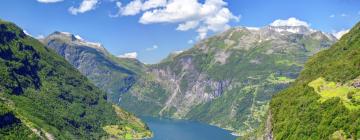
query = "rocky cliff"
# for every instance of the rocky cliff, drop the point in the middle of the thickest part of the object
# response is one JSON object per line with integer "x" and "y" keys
{"x": 113, "y": 75}
{"x": 228, "y": 79}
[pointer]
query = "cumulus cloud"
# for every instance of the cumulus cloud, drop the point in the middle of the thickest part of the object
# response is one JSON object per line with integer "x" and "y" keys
{"x": 49, "y": 1}
{"x": 132, "y": 55}
{"x": 136, "y": 6}
{"x": 133, "y": 8}
{"x": 187, "y": 25}
{"x": 154, "y": 47}
{"x": 153, "y": 4}
{"x": 339, "y": 34}
{"x": 85, "y": 6}
{"x": 212, "y": 15}
{"x": 289, "y": 22}
{"x": 190, "y": 41}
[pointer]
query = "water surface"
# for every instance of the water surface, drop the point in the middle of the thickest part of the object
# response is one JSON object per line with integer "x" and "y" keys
{"x": 167, "y": 129}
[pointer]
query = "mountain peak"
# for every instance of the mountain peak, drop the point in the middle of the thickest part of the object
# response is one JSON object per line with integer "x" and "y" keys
{"x": 64, "y": 35}
{"x": 76, "y": 40}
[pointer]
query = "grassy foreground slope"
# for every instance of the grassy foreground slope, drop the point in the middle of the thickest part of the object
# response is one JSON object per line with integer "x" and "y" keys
{"x": 324, "y": 101}
{"x": 44, "y": 97}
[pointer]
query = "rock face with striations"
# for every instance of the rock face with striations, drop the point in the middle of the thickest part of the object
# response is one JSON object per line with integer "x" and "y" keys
{"x": 95, "y": 62}
{"x": 228, "y": 79}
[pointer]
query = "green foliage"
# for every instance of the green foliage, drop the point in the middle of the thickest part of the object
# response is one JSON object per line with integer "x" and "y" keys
{"x": 297, "y": 112}
{"x": 11, "y": 127}
{"x": 145, "y": 98}
{"x": 348, "y": 94}
{"x": 242, "y": 84}
{"x": 47, "y": 94}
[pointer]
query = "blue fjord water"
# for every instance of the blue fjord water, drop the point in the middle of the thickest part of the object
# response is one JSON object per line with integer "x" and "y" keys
{"x": 167, "y": 129}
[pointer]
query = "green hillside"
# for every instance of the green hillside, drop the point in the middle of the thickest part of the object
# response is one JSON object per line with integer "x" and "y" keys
{"x": 43, "y": 97}
{"x": 324, "y": 101}
{"x": 226, "y": 80}
{"x": 111, "y": 74}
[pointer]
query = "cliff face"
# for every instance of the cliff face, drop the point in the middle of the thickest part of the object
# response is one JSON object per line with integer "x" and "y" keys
{"x": 93, "y": 61}
{"x": 226, "y": 80}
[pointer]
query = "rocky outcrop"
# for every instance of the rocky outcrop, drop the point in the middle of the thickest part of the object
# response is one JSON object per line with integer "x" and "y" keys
{"x": 227, "y": 80}
{"x": 93, "y": 61}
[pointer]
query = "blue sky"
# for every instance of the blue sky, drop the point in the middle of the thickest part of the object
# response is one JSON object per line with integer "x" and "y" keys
{"x": 137, "y": 28}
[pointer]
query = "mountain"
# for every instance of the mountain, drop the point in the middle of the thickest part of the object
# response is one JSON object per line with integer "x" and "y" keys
{"x": 226, "y": 80}
{"x": 324, "y": 101}
{"x": 113, "y": 75}
{"x": 43, "y": 97}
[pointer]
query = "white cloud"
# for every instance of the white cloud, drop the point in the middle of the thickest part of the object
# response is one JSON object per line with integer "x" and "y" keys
{"x": 190, "y": 41}
{"x": 154, "y": 47}
{"x": 212, "y": 15}
{"x": 85, "y": 6}
{"x": 344, "y": 15}
{"x": 339, "y": 34}
{"x": 175, "y": 11}
{"x": 153, "y": 4}
{"x": 133, "y": 8}
{"x": 49, "y": 1}
{"x": 359, "y": 13}
{"x": 132, "y": 55}
{"x": 332, "y": 16}
{"x": 187, "y": 25}
{"x": 290, "y": 22}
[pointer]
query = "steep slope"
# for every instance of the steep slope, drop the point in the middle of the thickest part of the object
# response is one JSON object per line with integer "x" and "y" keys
{"x": 111, "y": 74}
{"x": 324, "y": 101}
{"x": 227, "y": 80}
{"x": 44, "y": 97}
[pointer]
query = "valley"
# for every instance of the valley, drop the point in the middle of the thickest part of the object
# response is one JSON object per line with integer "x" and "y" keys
{"x": 179, "y": 70}
{"x": 226, "y": 80}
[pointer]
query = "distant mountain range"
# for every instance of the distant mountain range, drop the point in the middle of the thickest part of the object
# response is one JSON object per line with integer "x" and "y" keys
{"x": 226, "y": 80}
